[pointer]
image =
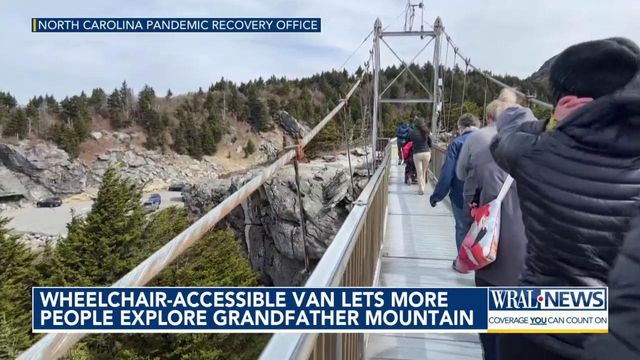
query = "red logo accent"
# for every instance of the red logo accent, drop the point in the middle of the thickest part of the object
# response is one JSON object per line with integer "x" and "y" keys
{"x": 540, "y": 298}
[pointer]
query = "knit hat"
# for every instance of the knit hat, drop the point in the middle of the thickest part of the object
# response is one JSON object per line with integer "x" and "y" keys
{"x": 594, "y": 68}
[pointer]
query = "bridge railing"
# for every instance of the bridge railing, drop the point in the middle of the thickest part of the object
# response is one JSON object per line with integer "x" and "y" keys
{"x": 352, "y": 259}
{"x": 438, "y": 156}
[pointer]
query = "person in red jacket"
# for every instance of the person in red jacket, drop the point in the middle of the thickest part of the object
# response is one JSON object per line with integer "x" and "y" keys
{"x": 410, "y": 174}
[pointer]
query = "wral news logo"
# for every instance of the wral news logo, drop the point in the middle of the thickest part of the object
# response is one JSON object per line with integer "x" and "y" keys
{"x": 511, "y": 299}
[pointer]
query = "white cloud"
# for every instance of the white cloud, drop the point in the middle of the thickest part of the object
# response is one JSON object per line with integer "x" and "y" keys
{"x": 501, "y": 35}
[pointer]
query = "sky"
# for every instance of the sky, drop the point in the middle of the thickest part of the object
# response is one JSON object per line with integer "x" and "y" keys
{"x": 504, "y": 36}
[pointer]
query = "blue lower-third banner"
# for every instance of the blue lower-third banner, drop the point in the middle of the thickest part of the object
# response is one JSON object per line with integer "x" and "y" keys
{"x": 190, "y": 310}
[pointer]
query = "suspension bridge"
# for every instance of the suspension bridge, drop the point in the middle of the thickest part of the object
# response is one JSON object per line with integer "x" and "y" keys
{"x": 390, "y": 238}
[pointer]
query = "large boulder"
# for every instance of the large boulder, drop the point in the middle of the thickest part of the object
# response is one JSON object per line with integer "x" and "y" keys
{"x": 131, "y": 159}
{"x": 268, "y": 224}
{"x": 43, "y": 165}
{"x": 15, "y": 159}
{"x": 290, "y": 125}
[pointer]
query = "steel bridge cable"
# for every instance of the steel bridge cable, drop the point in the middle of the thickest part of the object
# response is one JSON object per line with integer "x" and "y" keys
{"x": 56, "y": 345}
{"x": 498, "y": 82}
{"x": 464, "y": 86}
{"x": 356, "y": 50}
{"x": 453, "y": 78}
{"x": 444, "y": 84}
{"x": 365, "y": 40}
{"x": 484, "y": 106}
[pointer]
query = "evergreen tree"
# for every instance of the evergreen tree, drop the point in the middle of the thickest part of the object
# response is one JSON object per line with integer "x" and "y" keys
{"x": 102, "y": 247}
{"x": 207, "y": 139}
{"x": 17, "y": 125}
{"x": 234, "y": 102}
{"x": 149, "y": 118}
{"x": 32, "y": 111}
{"x": 52, "y": 105}
{"x": 257, "y": 112}
{"x": 66, "y": 138}
{"x": 7, "y": 101}
{"x": 98, "y": 100}
{"x": 120, "y": 106}
{"x": 180, "y": 144}
{"x": 114, "y": 105}
{"x": 169, "y": 94}
{"x": 126, "y": 98}
{"x": 17, "y": 276}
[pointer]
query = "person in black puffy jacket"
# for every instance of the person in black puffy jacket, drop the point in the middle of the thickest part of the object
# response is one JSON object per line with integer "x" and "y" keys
{"x": 623, "y": 340}
{"x": 578, "y": 178}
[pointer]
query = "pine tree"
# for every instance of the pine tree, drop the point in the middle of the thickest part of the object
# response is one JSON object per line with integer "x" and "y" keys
{"x": 120, "y": 106}
{"x": 7, "y": 102}
{"x": 18, "y": 124}
{"x": 114, "y": 105}
{"x": 169, "y": 94}
{"x": 52, "y": 105}
{"x": 17, "y": 276}
{"x": 207, "y": 139}
{"x": 66, "y": 138}
{"x": 126, "y": 103}
{"x": 98, "y": 100}
{"x": 257, "y": 112}
{"x": 33, "y": 114}
{"x": 149, "y": 118}
{"x": 102, "y": 247}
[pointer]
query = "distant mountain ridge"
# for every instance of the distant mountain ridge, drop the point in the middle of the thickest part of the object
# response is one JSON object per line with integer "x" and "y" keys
{"x": 543, "y": 73}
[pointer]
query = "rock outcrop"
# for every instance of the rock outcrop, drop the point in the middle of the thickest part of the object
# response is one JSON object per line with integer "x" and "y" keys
{"x": 45, "y": 170}
{"x": 290, "y": 125}
{"x": 268, "y": 224}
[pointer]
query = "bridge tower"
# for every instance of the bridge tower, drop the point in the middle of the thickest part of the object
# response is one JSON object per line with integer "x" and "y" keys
{"x": 432, "y": 96}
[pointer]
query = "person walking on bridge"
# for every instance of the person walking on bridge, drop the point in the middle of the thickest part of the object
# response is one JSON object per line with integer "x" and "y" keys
{"x": 449, "y": 183}
{"x": 578, "y": 179}
{"x": 402, "y": 137}
{"x": 483, "y": 180}
{"x": 421, "y": 137}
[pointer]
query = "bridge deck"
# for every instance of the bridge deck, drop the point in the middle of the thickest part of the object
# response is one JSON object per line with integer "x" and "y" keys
{"x": 418, "y": 250}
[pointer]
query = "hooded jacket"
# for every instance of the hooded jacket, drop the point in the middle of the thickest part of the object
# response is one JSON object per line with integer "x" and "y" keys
{"x": 623, "y": 340}
{"x": 403, "y": 132}
{"x": 578, "y": 186}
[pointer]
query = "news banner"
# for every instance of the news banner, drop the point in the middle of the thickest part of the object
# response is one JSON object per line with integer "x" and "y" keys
{"x": 361, "y": 310}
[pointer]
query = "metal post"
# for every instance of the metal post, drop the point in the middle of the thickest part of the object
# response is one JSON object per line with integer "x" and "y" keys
{"x": 377, "y": 29}
{"x": 437, "y": 28}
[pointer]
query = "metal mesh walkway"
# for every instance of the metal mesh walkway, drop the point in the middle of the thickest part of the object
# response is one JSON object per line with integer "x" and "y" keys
{"x": 418, "y": 250}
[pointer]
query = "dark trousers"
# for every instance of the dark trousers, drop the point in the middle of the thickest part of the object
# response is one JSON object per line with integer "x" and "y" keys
{"x": 400, "y": 145}
{"x": 520, "y": 347}
{"x": 489, "y": 341}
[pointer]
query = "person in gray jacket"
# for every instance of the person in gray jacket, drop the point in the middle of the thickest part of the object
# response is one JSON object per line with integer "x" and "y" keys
{"x": 483, "y": 181}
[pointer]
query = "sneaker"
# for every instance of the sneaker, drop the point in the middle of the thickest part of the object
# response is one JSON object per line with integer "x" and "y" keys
{"x": 420, "y": 192}
{"x": 455, "y": 268}
{"x": 399, "y": 162}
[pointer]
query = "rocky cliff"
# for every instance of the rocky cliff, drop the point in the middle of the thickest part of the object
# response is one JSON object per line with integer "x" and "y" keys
{"x": 44, "y": 170}
{"x": 268, "y": 225}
